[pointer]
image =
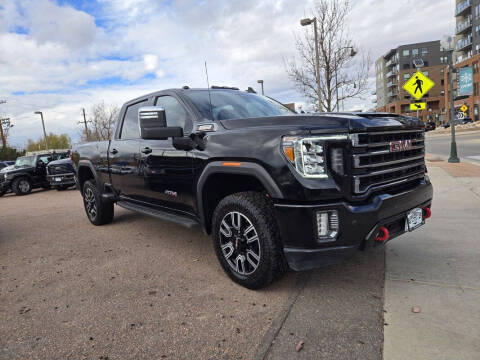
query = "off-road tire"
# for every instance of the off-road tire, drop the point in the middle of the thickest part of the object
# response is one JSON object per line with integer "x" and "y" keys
{"x": 2, "y": 192}
{"x": 19, "y": 187}
{"x": 257, "y": 208}
{"x": 104, "y": 212}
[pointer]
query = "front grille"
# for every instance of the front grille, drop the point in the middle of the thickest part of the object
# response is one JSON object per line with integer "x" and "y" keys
{"x": 376, "y": 166}
{"x": 60, "y": 169}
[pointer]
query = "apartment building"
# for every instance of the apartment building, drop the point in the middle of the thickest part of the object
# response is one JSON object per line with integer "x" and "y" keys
{"x": 467, "y": 29}
{"x": 467, "y": 53}
{"x": 395, "y": 68}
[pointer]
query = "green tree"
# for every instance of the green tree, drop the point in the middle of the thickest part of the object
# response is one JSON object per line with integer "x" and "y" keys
{"x": 54, "y": 141}
{"x": 8, "y": 153}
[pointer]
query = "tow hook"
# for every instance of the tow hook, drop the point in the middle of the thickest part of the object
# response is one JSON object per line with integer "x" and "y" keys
{"x": 383, "y": 234}
{"x": 427, "y": 213}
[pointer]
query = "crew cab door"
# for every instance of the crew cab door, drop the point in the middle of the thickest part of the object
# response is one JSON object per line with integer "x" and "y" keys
{"x": 124, "y": 152}
{"x": 167, "y": 173}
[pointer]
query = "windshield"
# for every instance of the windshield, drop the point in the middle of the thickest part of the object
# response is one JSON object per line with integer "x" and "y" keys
{"x": 234, "y": 104}
{"x": 25, "y": 161}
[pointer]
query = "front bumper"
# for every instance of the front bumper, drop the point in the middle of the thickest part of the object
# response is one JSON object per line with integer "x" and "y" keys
{"x": 359, "y": 226}
{"x": 61, "y": 179}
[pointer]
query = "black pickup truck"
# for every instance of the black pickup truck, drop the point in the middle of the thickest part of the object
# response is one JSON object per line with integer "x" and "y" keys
{"x": 275, "y": 189}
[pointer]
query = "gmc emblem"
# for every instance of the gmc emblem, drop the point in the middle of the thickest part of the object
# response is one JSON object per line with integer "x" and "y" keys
{"x": 400, "y": 145}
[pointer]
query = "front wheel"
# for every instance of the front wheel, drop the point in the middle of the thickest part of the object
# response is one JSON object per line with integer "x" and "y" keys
{"x": 99, "y": 211}
{"x": 247, "y": 240}
{"x": 21, "y": 186}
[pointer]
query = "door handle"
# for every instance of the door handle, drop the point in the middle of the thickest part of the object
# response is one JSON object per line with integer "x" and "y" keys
{"x": 114, "y": 151}
{"x": 146, "y": 150}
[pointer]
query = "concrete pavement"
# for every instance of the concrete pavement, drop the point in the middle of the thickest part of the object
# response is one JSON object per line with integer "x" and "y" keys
{"x": 437, "y": 269}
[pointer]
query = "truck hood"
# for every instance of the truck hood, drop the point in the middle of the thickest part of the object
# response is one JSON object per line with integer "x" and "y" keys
{"x": 329, "y": 122}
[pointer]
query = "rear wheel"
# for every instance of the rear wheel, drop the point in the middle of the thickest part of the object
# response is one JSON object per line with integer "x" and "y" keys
{"x": 99, "y": 211}
{"x": 247, "y": 240}
{"x": 21, "y": 186}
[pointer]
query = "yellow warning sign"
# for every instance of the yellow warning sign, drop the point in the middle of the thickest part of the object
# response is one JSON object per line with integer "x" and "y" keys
{"x": 418, "y": 106}
{"x": 464, "y": 108}
{"x": 418, "y": 85}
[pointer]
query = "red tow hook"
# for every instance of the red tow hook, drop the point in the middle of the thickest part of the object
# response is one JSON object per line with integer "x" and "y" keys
{"x": 382, "y": 235}
{"x": 427, "y": 213}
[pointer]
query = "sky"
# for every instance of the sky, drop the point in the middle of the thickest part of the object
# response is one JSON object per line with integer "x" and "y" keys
{"x": 59, "y": 56}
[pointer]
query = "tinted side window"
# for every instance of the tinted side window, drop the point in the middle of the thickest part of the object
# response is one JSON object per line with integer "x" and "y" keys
{"x": 130, "y": 122}
{"x": 174, "y": 111}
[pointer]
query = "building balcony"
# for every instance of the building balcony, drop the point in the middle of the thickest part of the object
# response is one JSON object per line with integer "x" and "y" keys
{"x": 463, "y": 8}
{"x": 391, "y": 83}
{"x": 464, "y": 44}
{"x": 391, "y": 73}
{"x": 391, "y": 62}
{"x": 463, "y": 26}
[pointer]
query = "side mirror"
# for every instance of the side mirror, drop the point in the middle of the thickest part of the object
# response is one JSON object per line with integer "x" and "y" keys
{"x": 153, "y": 124}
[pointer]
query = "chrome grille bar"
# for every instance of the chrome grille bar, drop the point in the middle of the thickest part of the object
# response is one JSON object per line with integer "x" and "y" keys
{"x": 374, "y": 167}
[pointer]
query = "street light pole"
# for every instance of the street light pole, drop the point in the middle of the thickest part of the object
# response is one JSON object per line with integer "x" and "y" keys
{"x": 305, "y": 22}
{"x": 261, "y": 82}
{"x": 352, "y": 54}
{"x": 44, "y": 132}
{"x": 453, "y": 146}
{"x": 447, "y": 43}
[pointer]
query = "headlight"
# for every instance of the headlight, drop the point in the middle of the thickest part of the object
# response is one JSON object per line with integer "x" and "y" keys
{"x": 308, "y": 154}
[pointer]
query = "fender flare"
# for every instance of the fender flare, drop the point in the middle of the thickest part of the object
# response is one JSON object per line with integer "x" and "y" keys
{"x": 22, "y": 174}
{"x": 246, "y": 168}
{"x": 88, "y": 164}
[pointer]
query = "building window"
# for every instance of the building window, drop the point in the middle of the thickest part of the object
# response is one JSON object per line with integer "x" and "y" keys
{"x": 425, "y": 63}
{"x": 406, "y": 76}
{"x": 425, "y": 73}
{"x": 406, "y": 66}
{"x": 406, "y": 52}
{"x": 414, "y": 52}
{"x": 424, "y": 51}
{"x": 442, "y": 82}
{"x": 475, "y": 67}
{"x": 475, "y": 89}
{"x": 476, "y": 11}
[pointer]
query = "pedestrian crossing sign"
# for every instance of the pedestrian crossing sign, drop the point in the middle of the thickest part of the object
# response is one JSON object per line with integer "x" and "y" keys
{"x": 418, "y": 85}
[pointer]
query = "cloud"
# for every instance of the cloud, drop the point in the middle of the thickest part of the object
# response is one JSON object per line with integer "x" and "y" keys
{"x": 60, "y": 58}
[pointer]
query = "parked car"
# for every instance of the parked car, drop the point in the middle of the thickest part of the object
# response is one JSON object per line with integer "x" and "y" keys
{"x": 466, "y": 121}
{"x": 28, "y": 172}
{"x": 4, "y": 164}
{"x": 430, "y": 125}
{"x": 275, "y": 189}
{"x": 61, "y": 174}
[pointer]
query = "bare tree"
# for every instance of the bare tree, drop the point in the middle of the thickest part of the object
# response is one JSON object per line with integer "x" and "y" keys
{"x": 101, "y": 122}
{"x": 339, "y": 71}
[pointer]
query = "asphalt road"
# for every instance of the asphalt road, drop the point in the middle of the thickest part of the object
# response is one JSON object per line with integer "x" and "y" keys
{"x": 141, "y": 288}
{"x": 468, "y": 145}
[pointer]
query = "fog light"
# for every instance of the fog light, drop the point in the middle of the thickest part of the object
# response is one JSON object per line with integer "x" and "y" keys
{"x": 327, "y": 225}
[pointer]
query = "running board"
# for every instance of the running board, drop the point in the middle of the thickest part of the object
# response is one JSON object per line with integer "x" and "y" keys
{"x": 163, "y": 215}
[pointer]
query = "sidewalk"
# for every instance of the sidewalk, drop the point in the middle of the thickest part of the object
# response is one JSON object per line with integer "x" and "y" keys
{"x": 437, "y": 269}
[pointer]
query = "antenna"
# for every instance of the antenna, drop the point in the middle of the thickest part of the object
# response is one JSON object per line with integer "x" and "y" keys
{"x": 208, "y": 88}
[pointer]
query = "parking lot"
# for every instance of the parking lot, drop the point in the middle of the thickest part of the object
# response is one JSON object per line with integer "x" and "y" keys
{"x": 141, "y": 288}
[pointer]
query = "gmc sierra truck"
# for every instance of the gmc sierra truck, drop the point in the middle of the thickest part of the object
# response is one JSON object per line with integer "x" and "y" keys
{"x": 275, "y": 189}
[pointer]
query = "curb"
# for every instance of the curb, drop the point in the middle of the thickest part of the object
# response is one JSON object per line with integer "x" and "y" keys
{"x": 269, "y": 337}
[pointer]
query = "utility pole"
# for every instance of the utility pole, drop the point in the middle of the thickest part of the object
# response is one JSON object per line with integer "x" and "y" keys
{"x": 4, "y": 141}
{"x": 84, "y": 122}
{"x": 2, "y": 134}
